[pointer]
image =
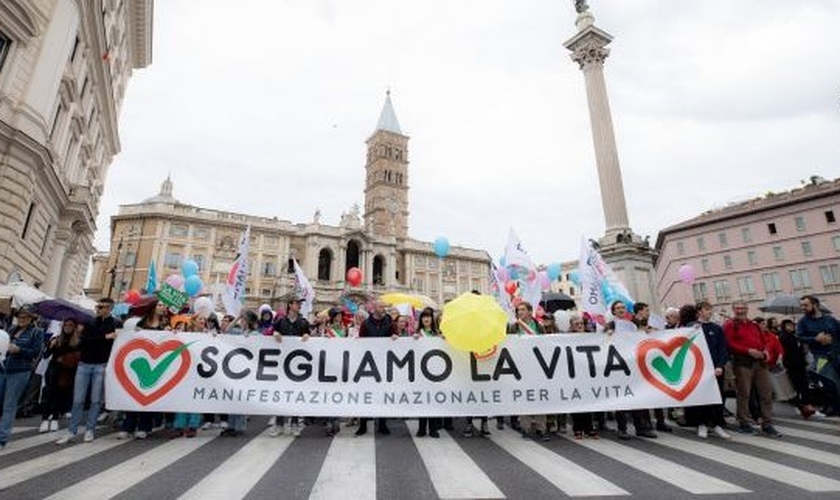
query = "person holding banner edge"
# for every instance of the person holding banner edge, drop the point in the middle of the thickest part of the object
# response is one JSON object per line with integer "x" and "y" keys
{"x": 290, "y": 325}
{"x": 378, "y": 324}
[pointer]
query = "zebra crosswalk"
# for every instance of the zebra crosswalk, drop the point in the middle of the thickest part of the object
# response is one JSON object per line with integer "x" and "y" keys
{"x": 803, "y": 464}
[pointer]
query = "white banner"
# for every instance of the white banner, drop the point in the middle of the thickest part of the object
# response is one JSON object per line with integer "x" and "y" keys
{"x": 561, "y": 373}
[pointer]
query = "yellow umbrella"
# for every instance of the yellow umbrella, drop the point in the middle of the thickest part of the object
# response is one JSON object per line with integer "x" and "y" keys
{"x": 396, "y": 298}
{"x": 474, "y": 323}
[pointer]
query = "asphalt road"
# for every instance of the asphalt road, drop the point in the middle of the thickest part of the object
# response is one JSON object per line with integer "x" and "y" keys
{"x": 805, "y": 463}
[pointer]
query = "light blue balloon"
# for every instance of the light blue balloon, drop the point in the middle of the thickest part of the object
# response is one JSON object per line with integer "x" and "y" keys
{"x": 502, "y": 261}
{"x": 441, "y": 247}
{"x": 189, "y": 268}
{"x": 513, "y": 272}
{"x": 574, "y": 277}
{"x": 554, "y": 270}
{"x": 193, "y": 285}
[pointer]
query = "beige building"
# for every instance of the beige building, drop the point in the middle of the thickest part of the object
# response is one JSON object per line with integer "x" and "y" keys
{"x": 166, "y": 231}
{"x": 64, "y": 67}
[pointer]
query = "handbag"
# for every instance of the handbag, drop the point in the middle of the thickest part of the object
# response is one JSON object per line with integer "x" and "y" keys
{"x": 782, "y": 387}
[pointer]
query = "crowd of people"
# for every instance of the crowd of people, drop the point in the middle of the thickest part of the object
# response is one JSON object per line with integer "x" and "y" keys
{"x": 748, "y": 351}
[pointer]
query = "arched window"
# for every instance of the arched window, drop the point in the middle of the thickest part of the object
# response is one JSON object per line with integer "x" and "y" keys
{"x": 379, "y": 270}
{"x": 352, "y": 259}
{"x": 324, "y": 264}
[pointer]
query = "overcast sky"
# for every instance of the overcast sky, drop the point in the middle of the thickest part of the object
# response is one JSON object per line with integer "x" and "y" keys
{"x": 263, "y": 107}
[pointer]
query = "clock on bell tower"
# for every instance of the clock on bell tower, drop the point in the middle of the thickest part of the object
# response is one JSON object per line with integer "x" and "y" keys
{"x": 386, "y": 184}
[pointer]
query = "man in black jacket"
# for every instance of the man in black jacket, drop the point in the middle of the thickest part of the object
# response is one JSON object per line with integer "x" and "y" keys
{"x": 95, "y": 348}
{"x": 290, "y": 325}
{"x": 376, "y": 325}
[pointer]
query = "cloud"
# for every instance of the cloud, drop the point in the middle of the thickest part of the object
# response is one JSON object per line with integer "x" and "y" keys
{"x": 263, "y": 108}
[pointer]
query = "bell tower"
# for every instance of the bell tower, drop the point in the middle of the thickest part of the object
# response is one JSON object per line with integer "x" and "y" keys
{"x": 386, "y": 182}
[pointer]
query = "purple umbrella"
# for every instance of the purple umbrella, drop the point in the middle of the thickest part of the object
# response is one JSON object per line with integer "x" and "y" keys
{"x": 60, "y": 309}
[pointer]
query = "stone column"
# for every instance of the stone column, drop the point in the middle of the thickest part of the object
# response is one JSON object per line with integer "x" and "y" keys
{"x": 589, "y": 51}
{"x": 61, "y": 242}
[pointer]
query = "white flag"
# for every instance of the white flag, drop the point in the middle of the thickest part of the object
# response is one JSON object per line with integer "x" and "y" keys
{"x": 303, "y": 291}
{"x": 599, "y": 283}
{"x": 516, "y": 257}
{"x": 515, "y": 254}
{"x": 234, "y": 294}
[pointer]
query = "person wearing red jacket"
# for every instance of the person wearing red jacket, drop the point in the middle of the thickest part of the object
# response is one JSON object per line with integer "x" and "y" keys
{"x": 749, "y": 361}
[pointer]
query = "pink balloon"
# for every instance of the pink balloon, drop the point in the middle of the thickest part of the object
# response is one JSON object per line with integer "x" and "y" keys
{"x": 544, "y": 280}
{"x": 176, "y": 281}
{"x": 686, "y": 274}
{"x": 502, "y": 274}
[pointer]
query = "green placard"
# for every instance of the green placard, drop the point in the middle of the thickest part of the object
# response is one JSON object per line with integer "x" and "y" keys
{"x": 172, "y": 297}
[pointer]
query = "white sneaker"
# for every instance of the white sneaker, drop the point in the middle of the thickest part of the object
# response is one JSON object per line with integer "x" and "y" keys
{"x": 296, "y": 430}
{"x": 223, "y": 425}
{"x": 702, "y": 431}
{"x": 719, "y": 432}
{"x": 103, "y": 417}
{"x": 274, "y": 431}
{"x": 140, "y": 435}
{"x": 122, "y": 435}
{"x": 53, "y": 425}
{"x": 68, "y": 437}
{"x": 207, "y": 426}
{"x": 88, "y": 436}
{"x": 45, "y": 426}
{"x": 818, "y": 414}
{"x": 272, "y": 421}
{"x": 287, "y": 429}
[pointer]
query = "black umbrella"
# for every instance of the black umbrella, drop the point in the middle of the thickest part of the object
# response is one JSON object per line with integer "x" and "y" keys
{"x": 785, "y": 304}
{"x": 60, "y": 309}
{"x": 555, "y": 301}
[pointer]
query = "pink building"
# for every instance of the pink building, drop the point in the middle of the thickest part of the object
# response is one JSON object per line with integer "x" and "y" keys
{"x": 779, "y": 243}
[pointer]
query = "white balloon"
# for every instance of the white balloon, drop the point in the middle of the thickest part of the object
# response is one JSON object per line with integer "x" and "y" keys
{"x": 203, "y": 306}
{"x": 4, "y": 344}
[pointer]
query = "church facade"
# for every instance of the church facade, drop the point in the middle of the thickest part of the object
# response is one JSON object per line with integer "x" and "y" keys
{"x": 374, "y": 238}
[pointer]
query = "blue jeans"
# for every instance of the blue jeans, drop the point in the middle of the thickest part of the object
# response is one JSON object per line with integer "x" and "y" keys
{"x": 87, "y": 376}
{"x": 187, "y": 421}
{"x": 12, "y": 386}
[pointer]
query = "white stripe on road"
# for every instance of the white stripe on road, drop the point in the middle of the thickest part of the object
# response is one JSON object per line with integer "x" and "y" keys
{"x": 349, "y": 470}
{"x": 16, "y": 445}
{"x": 566, "y": 475}
{"x": 18, "y": 430}
{"x": 235, "y": 477}
{"x": 452, "y": 472}
{"x": 751, "y": 464}
{"x": 823, "y": 425}
{"x": 682, "y": 477}
{"x": 813, "y": 436}
{"x": 119, "y": 478}
{"x": 795, "y": 450}
{"x": 32, "y": 468}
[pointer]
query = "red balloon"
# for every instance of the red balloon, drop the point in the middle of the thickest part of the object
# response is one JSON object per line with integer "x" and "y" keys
{"x": 354, "y": 276}
{"x": 510, "y": 287}
{"x": 132, "y": 297}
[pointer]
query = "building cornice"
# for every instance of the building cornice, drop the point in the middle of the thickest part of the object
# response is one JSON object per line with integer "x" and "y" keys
{"x": 767, "y": 203}
{"x": 93, "y": 28}
{"x": 140, "y": 25}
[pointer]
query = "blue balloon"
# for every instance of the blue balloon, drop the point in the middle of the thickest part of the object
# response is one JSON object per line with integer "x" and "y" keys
{"x": 553, "y": 270}
{"x": 574, "y": 277}
{"x": 193, "y": 285}
{"x": 502, "y": 261}
{"x": 513, "y": 273}
{"x": 189, "y": 268}
{"x": 441, "y": 247}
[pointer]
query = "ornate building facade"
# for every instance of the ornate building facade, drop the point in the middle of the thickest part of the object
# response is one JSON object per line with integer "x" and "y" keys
{"x": 64, "y": 67}
{"x": 166, "y": 231}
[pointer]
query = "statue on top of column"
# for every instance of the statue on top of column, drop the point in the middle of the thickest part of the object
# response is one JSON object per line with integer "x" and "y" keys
{"x": 581, "y": 6}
